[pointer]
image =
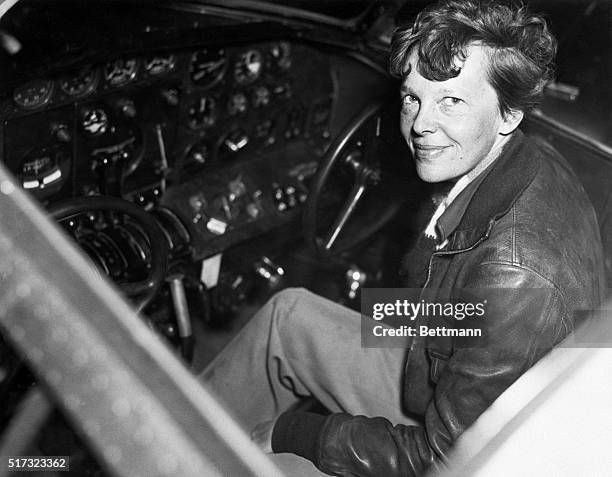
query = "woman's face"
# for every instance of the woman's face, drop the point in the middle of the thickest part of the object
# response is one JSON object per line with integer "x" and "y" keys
{"x": 451, "y": 126}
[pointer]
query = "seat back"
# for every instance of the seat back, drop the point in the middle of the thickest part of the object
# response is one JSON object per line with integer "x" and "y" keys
{"x": 592, "y": 164}
{"x": 554, "y": 420}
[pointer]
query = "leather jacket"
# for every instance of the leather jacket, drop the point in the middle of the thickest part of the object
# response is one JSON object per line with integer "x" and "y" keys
{"x": 529, "y": 225}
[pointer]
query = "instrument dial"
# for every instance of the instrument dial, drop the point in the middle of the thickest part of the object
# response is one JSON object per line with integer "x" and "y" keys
{"x": 81, "y": 84}
{"x": 44, "y": 170}
{"x": 94, "y": 121}
{"x": 158, "y": 65}
{"x": 237, "y": 104}
{"x": 33, "y": 94}
{"x": 207, "y": 66}
{"x": 248, "y": 67}
{"x": 280, "y": 55}
{"x": 120, "y": 72}
{"x": 202, "y": 113}
{"x": 261, "y": 97}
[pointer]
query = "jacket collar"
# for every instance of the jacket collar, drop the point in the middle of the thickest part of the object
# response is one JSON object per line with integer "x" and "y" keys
{"x": 450, "y": 219}
{"x": 509, "y": 176}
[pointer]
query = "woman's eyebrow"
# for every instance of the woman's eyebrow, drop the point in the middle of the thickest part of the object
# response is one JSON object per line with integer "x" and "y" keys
{"x": 404, "y": 90}
{"x": 403, "y": 87}
{"x": 406, "y": 72}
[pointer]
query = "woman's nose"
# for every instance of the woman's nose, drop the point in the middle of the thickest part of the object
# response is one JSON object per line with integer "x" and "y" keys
{"x": 425, "y": 120}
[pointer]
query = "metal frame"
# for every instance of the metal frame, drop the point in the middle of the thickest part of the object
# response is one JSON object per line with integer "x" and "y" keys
{"x": 139, "y": 408}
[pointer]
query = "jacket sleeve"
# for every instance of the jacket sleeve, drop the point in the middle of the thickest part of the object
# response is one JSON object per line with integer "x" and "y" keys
{"x": 521, "y": 326}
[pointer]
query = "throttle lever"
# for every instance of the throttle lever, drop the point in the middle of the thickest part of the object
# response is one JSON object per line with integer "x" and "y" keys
{"x": 181, "y": 310}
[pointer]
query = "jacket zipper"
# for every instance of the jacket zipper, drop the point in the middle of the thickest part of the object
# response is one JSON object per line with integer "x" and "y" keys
{"x": 438, "y": 254}
{"x": 452, "y": 252}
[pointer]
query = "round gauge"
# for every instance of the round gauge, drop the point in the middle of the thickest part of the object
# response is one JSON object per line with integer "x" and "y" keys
{"x": 94, "y": 121}
{"x": 158, "y": 65}
{"x": 120, "y": 72}
{"x": 80, "y": 84}
{"x": 33, "y": 94}
{"x": 260, "y": 97}
{"x": 202, "y": 113}
{"x": 237, "y": 103}
{"x": 44, "y": 170}
{"x": 280, "y": 55}
{"x": 248, "y": 67}
{"x": 207, "y": 66}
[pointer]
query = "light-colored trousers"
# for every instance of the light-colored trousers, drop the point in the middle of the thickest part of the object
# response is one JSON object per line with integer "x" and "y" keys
{"x": 301, "y": 345}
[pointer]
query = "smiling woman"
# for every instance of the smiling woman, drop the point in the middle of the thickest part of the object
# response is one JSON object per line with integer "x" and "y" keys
{"x": 242, "y": 174}
{"x": 512, "y": 195}
{"x": 461, "y": 104}
{"x": 454, "y": 127}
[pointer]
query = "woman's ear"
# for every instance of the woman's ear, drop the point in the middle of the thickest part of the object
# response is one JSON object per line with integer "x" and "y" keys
{"x": 510, "y": 121}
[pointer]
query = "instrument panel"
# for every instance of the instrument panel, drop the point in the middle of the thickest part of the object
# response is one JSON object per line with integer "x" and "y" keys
{"x": 171, "y": 112}
{"x": 145, "y": 126}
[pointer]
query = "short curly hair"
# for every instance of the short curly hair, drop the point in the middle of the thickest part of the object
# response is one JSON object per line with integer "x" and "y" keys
{"x": 521, "y": 48}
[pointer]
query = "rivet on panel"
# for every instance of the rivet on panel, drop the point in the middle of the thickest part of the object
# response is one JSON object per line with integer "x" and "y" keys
{"x": 121, "y": 407}
{"x": 59, "y": 335}
{"x": 42, "y": 312}
{"x": 18, "y": 333}
{"x": 54, "y": 377}
{"x": 113, "y": 454}
{"x": 23, "y": 290}
{"x": 92, "y": 427}
{"x": 72, "y": 401}
{"x": 80, "y": 357}
{"x": 6, "y": 187}
{"x": 100, "y": 382}
{"x": 144, "y": 434}
{"x": 36, "y": 354}
{"x": 167, "y": 464}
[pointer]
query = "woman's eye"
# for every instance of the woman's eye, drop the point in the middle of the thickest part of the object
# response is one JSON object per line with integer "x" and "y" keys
{"x": 409, "y": 100}
{"x": 451, "y": 101}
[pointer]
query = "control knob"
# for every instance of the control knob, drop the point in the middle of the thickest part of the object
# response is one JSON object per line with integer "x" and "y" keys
{"x": 236, "y": 140}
